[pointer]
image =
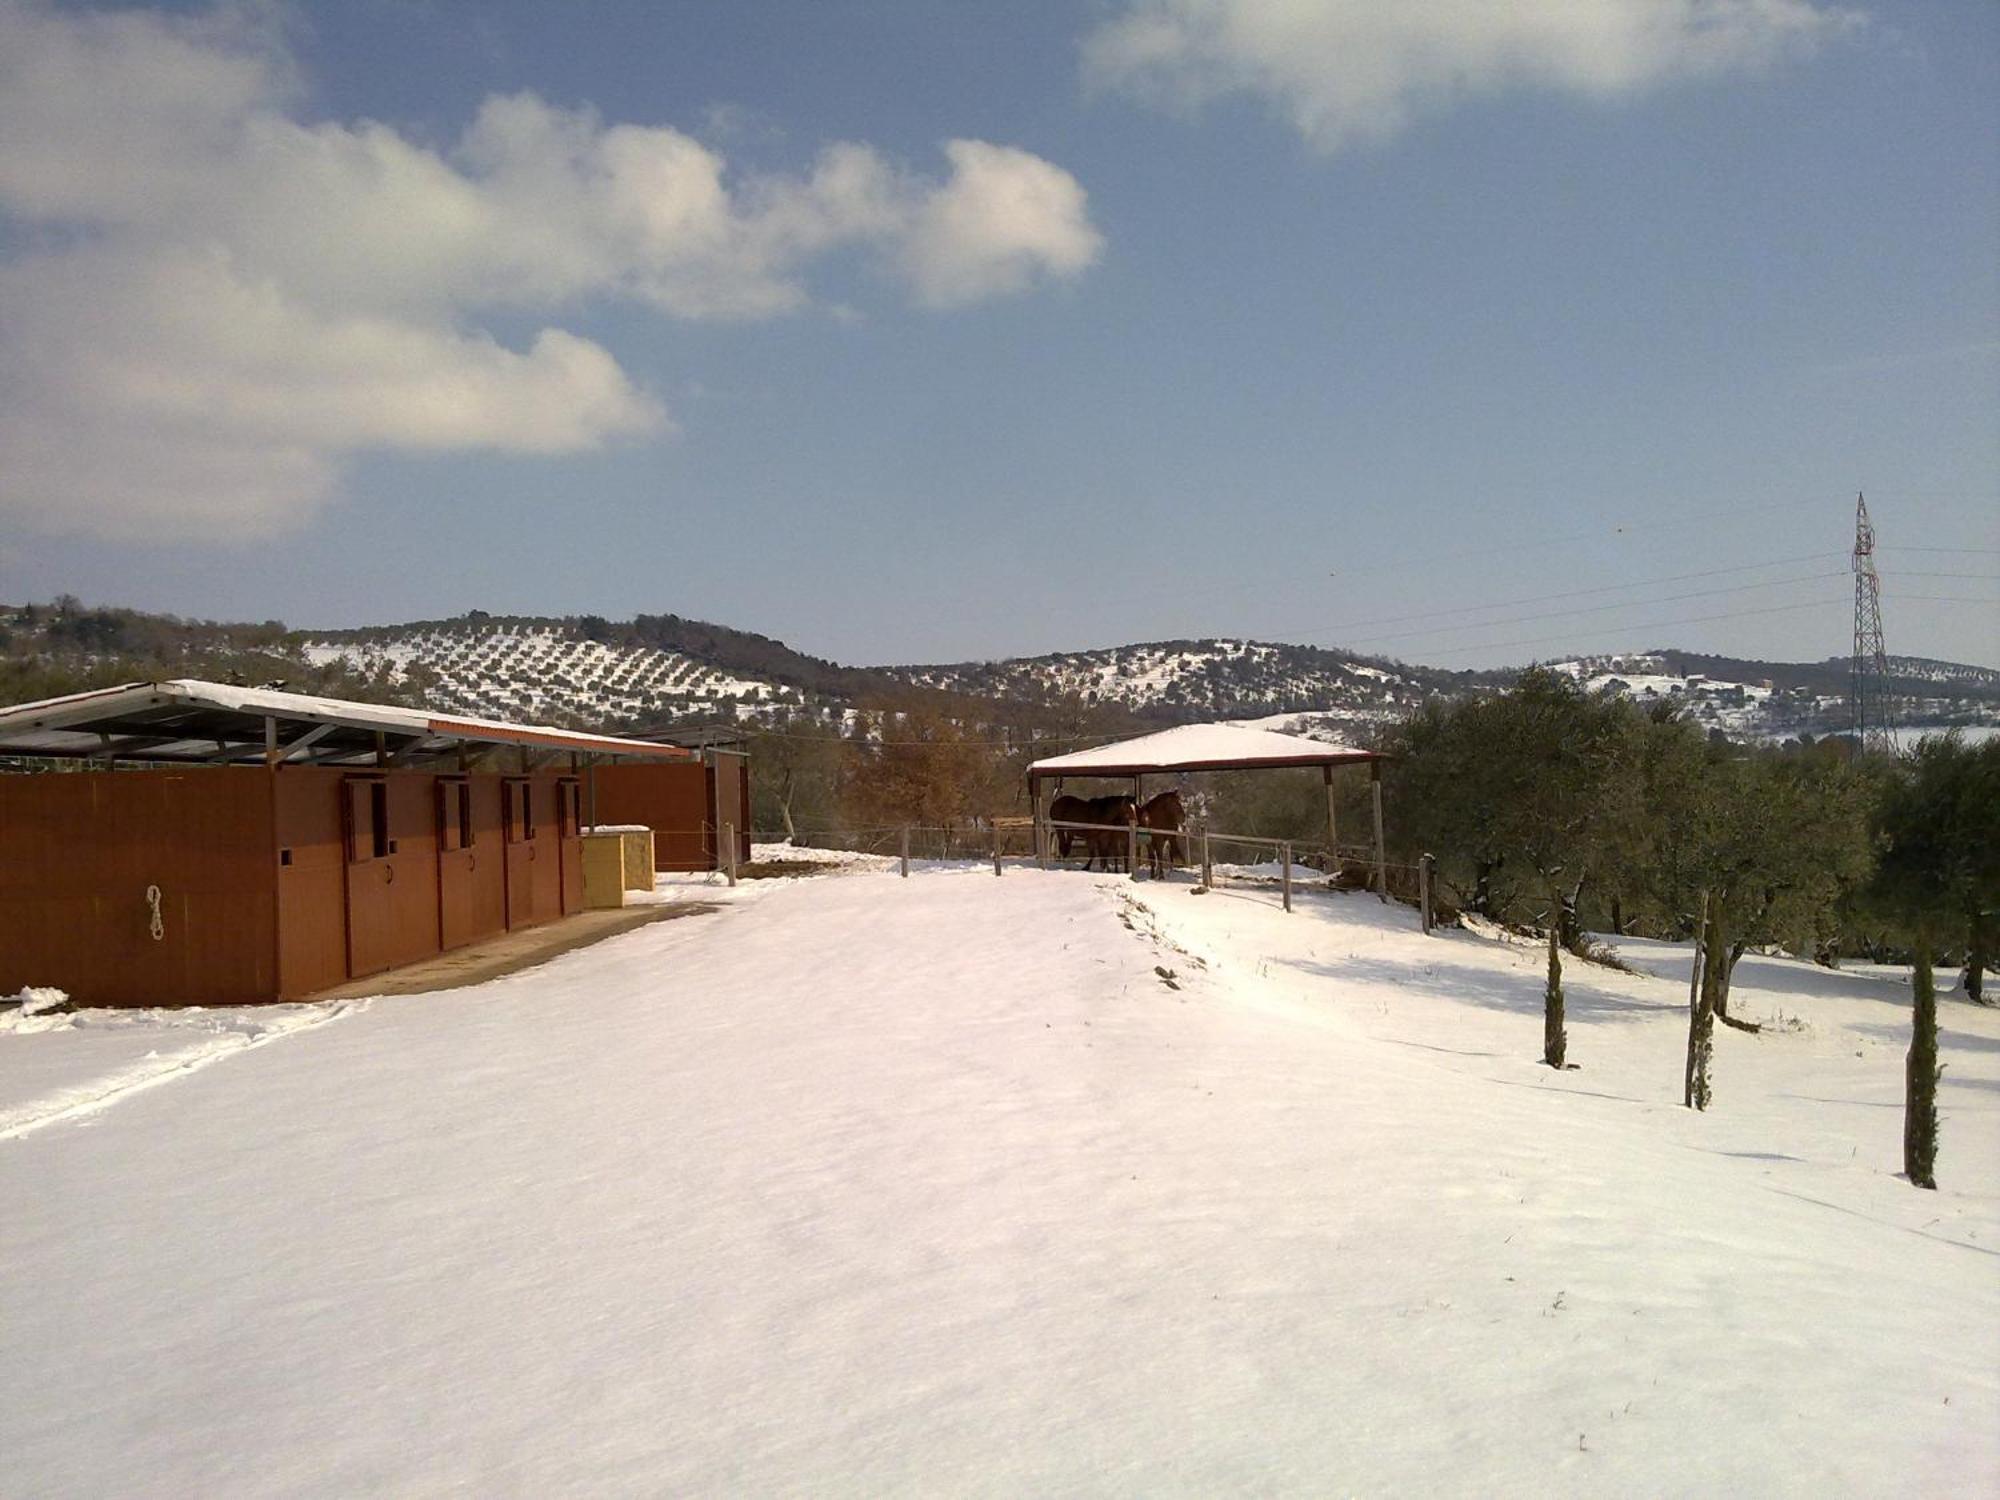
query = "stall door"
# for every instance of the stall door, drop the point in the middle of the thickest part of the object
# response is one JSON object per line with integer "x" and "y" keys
{"x": 518, "y": 824}
{"x": 457, "y": 862}
{"x": 569, "y": 842}
{"x": 364, "y": 809}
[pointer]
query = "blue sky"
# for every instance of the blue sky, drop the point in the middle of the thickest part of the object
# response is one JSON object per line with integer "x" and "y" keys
{"x": 1340, "y": 337}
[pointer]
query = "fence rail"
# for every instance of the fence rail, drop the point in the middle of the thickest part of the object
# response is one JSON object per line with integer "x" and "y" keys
{"x": 1019, "y": 840}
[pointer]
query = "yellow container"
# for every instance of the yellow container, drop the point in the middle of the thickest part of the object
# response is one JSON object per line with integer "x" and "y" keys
{"x": 603, "y": 870}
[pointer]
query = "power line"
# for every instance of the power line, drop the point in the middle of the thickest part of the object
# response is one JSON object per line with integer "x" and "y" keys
{"x": 1649, "y": 625}
{"x": 1606, "y": 588}
{"x": 1574, "y": 538}
{"x": 1556, "y": 614}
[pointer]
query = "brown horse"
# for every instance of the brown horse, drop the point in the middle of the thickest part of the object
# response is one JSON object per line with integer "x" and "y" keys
{"x": 1113, "y": 816}
{"x": 1105, "y": 838}
{"x": 1067, "y": 809}
{"x": 1165, "y": 815}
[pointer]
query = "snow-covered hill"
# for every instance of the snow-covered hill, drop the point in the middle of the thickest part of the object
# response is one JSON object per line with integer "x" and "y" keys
{"x": 656, "y": 669}
{"x": 1749, "y": 700}
{"x": 1202, "y": 679}
{"x": 559, "y": 670}
{"x": 554, "y": 669}
{"x": 545, "y": 672}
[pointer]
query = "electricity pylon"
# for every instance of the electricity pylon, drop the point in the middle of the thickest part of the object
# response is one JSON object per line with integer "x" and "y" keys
{"x": 1874, "y": 709}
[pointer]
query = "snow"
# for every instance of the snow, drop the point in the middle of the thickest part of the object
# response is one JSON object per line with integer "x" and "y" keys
{"x": 34, "y": 999}
{"x": 1194, "y": 746}
{"x": 881, "y": 1186}
{"x": 1909, "y": 736}
{"x": 80, "y": 1062}
{"x": 842, "y": 860}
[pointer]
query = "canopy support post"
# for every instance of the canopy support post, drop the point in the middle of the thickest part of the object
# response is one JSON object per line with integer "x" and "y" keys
{"x": 1332, "y": 824}
{"x": 1132, "y": 835}
{"x": 1381, "y": 855}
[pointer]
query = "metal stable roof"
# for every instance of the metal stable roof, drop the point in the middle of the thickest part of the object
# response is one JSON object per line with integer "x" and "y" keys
{"x": 217, "y": 723}
{"x": 1201, "y": 747}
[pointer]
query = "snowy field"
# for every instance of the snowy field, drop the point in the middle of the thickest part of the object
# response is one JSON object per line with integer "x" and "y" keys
{"x": 863, "y": 1186}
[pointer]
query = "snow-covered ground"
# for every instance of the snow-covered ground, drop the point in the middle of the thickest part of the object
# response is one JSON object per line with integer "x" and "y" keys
{"x": 1047, "y": 1184}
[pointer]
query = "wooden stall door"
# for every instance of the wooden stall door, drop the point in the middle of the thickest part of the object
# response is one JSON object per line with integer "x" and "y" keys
{"x": 518, "y": 829}
{"x": 458, "y": 862}
{"x": 569, "y": 842}
{"x": 364, "y": 817}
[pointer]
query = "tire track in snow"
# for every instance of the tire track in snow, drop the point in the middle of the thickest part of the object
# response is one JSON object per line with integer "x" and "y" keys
{"x": 98, "y": 1094}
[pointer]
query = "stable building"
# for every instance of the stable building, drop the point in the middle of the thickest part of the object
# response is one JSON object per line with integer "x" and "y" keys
{"x": 692, "y": 809}
{"x": 198, "y": 843}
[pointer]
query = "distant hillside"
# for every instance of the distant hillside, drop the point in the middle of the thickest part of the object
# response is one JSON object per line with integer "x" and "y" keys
{"x": 657, "y": 670}
{"x": 1189, "y": 680}
{"x": 1781, "y": 700}
{"x": 47, "y": 650}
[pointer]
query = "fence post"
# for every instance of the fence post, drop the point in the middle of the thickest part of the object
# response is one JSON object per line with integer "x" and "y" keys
{"x": 996, "y": 848}
{"x": 1285, "y": 854}
{"x": 1207, "y": 866}
{"x": 1424, "y": 889}
{"x": 729, "y": 859}
{"x": 1381, "y": 856}
{"x": 1132, "y": 848}
{"x": 906, "y": 851}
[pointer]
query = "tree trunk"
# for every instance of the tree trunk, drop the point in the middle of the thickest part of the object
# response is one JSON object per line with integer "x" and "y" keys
{"x": 1482, "y": 889}
{"x": 1728, "y": 967}
{"x": 1555, "y": 1042}
{"x": 1701, "y": 1028}
{"x": 1617, "y": 917}
{"x": 1974, "y": 982}
{"x": 1715, "y": 978}
{"x": 1572, "y": 928}
{"x": 1920, "y": 1072}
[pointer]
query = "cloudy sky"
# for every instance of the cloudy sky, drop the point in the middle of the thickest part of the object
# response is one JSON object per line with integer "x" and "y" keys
{"x": 919, "y": 330}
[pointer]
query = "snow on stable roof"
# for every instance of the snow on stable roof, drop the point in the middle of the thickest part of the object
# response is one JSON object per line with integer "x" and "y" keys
{"x": 217, "y": 722}
{"x": 1201, "y": 747}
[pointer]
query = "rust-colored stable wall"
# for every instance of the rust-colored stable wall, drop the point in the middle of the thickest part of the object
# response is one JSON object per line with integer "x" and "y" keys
{"x": 312, "y": 896}
{"x": 340, "y": 919}
{"x": 260, "y": 899}
{"x": 79, "y": 849}
{"x": 673, "y": 799}
{"x": 472, "y": 881}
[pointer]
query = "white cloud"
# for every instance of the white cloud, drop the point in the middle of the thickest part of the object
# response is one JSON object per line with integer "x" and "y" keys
{"x": 1347, "y": 71}
{"x": 221, "y": 299}
{"x": 1002, "y": 219}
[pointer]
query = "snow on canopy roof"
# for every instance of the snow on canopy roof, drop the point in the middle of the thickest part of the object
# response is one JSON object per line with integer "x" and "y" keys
{"x": 1201, "y": 747}
{"x": 185, "y": 719}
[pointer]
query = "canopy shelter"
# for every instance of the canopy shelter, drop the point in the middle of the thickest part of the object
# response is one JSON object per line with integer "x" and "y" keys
{"x": 215, "y": 723}
{"x": 1207, "y": 747}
